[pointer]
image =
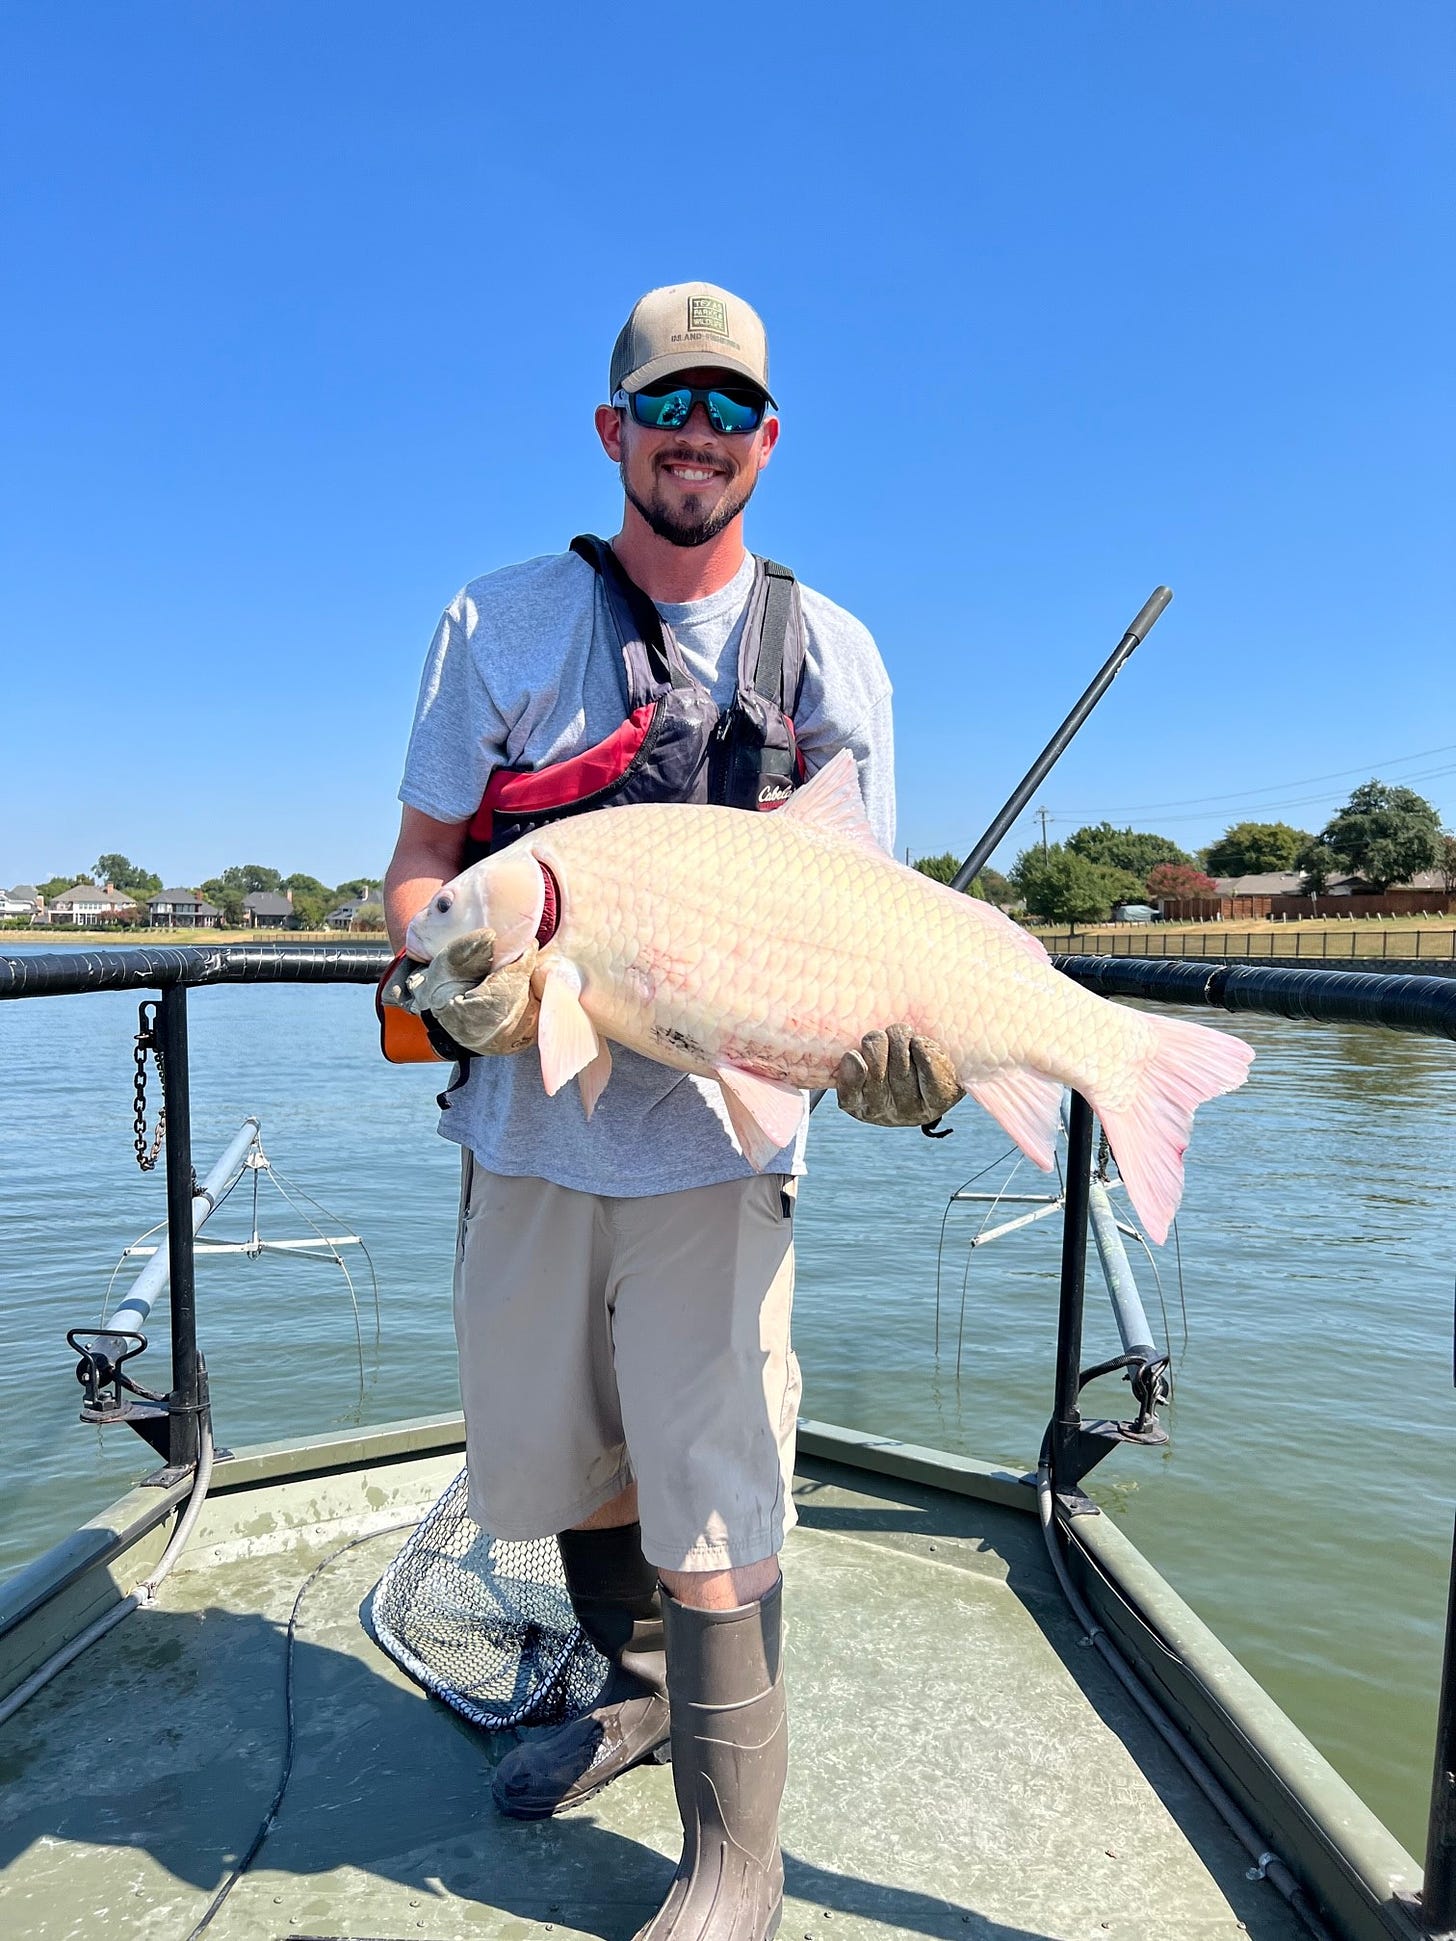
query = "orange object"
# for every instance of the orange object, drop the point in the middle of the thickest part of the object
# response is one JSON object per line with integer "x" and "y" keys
{"x": 402, "y": 1036}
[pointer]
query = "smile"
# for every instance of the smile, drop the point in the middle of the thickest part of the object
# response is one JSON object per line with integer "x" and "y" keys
{"x": 692, "y": 474}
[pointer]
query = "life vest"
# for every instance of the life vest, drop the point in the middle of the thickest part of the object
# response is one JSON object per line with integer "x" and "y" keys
{"x": 674, "y": 745}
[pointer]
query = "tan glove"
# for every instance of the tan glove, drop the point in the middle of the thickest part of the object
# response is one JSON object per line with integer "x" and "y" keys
{"x": 897, "y": 1079}
{"x": 483, "y": 1011}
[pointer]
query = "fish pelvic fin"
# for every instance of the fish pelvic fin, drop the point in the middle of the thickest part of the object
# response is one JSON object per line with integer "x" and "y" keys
{"x": 764, "y": 1112}
{"x": 592, "y": 1078}
{"x": 831, "y": 800}
{"x": 1027, "y": 1105}
{"x": 1149, "y": 1135}
{"x": 566, "y": 1036}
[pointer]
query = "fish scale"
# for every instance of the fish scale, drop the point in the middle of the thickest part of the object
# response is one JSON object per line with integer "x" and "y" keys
{"x": 758, "y": 948}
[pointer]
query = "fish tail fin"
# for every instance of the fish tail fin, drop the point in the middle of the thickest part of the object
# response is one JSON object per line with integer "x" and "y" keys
{"x": 1149, "y": 1134}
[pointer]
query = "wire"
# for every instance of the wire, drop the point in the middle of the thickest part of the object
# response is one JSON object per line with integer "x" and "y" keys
{"x": 940, "y": 1246}
{"x": 269, "y": 1820}
{"x": 1296, "y": 782}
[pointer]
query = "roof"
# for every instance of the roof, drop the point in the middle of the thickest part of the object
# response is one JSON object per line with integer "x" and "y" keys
{"x": 268, "y": 903}
{"x": 176, "y": 896}
{"x": 26, "y": 890}
{"x": 1276, "y": 882}
{"x": 90, "y": 893}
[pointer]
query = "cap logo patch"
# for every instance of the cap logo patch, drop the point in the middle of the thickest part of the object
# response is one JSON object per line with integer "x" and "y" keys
{"x": 709, "y": 314}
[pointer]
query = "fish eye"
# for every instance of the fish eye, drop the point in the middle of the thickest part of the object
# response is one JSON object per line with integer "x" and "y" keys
{"x": 443, "y": 902}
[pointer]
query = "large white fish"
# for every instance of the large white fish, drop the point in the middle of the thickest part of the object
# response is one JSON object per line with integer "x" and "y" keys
{"x": 757, "y": 949}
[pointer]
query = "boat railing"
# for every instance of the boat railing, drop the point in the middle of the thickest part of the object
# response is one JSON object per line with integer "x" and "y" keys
{"x": 1424, "y": 1005}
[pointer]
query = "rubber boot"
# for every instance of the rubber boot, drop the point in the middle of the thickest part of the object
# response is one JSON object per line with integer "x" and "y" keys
{"x": 730, "y": 1755}
{"x": 617, "y": 1603}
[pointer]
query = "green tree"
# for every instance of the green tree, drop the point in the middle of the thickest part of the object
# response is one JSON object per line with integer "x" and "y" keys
{"x": 1447, "y": 862}
{"x": 940, "y": 868}
{"x": 249, "y": 878}
{"x": 992, "y": 887}
{"x": 55, "y": 886}
{"x": 357, "y": 886}
{"x": 1315, "y": 863}
{"x": 1132, "y": 850}
{"x": 123, "y": 874}
{"x": 1254, "y": 848}
{"x": 312, "y": 900}
{"x": 227, "y": 896}
{"x": 1062, "y": 886}
{"x": 1384, "y": 834}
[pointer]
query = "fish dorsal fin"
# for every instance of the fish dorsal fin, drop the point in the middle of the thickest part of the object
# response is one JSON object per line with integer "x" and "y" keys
{"x": 565, "y": 1036}
{"x": 764, "y": 1112}
{"x": 830, "y": 800}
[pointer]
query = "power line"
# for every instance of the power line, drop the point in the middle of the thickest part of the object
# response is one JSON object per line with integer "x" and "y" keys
{"x": 1295, "y": 782}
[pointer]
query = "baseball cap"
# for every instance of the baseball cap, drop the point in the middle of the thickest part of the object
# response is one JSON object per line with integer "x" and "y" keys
{"x": 684, "y": 326}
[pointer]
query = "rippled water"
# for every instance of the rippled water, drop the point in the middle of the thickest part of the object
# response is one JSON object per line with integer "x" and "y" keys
{"x": 1304, "y": 1507}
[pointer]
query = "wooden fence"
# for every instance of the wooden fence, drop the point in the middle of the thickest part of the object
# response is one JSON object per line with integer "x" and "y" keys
{"x": 1312, "y": 947}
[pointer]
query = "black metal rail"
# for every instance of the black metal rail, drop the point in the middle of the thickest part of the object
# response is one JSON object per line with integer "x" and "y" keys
{"x": 1417, "y": 1004}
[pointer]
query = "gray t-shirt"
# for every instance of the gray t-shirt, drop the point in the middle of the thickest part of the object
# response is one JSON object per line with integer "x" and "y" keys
{"x": 524, "y": 670}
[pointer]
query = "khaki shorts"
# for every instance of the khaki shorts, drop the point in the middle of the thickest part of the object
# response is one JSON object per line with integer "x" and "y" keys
{"x": 605, "y": 1341}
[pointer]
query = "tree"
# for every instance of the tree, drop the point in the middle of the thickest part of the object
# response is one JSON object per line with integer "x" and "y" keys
{"x": 1254, "y": 848}
{"x": 992, "y": 887}
{"x": 941, "y": 869}
{"x": 227, "y": 896}
{"x": 1384, "y": 834}
{"x": 123, "y": 874}
{"x": 1126, "y": 849}
{"x": 248, "y": 879}
{"x": 1062, "y": 886}
{"x": 55, "y": 886}
{"x": 1316, "y": 865}
{"x": 357, "y": 886}
{"x": 1446, "y": 862}
{"x": 1179, "y": 880}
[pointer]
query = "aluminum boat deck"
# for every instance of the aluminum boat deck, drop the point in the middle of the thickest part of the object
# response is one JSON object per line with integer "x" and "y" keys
{"x": 962, "y": 1767}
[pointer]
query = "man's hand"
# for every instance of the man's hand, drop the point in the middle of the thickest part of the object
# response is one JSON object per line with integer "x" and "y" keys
{"x": 897, "y": 1079}
{"x": 480, "y": 1010}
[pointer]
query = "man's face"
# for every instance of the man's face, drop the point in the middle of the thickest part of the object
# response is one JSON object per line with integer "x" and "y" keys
{"x": 689, "y": 483}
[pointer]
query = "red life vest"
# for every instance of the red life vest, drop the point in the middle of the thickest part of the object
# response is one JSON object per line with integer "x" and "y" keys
{"x": 675, "y": 743}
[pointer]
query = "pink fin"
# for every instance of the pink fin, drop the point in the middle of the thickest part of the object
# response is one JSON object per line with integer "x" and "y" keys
{"x": 566, "y": 1036}
{"x": 1190, "y": 1063}
{"x": 831, "y": 800}
{"x": 764, "y": 1112}
{"x": 1026, "y": 1104}
{"x": 592, "y": 1078}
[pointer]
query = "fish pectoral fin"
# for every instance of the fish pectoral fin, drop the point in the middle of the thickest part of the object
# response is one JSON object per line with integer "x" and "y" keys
{"x": 831, "y": 800}
{"x": 764, "y": 1112}
{"x": 566, "y": 1036}
{"x": 1027, "y": 1105}
{"x": 592, "y": 1078}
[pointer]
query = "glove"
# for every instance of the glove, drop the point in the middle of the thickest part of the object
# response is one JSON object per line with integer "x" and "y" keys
{"x": 897, "y": 1079}
{"x": 477, "y": 1010}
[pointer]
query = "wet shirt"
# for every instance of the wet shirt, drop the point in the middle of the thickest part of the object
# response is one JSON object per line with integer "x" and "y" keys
{"x": 525, "y": 670}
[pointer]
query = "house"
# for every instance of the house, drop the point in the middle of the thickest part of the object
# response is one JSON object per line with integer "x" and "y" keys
{"x": 88, "y": 904}
{"x": 358, "y": 913}
{"x": 168, "y": 908}
{"x": 268, "y": 909}
{"x": 25, "y": 900}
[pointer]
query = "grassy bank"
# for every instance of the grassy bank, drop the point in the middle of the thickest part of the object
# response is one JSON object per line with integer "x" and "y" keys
{"x": 143, "y": 934}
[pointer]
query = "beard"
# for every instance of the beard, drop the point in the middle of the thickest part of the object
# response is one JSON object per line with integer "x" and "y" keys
{"x": 691, "y": 525}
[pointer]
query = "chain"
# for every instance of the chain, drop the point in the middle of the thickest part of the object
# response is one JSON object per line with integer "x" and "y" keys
{"x": 146, "y": 1041}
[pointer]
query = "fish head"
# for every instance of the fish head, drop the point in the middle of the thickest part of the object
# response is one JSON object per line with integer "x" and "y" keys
{"x": 505, "y": 893}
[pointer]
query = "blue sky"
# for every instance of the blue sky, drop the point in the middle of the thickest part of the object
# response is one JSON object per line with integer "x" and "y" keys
{"x": 307, "y": 309}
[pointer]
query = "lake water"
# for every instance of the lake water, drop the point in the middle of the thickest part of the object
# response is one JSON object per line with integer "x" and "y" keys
{"x": 1304, "y": 1507}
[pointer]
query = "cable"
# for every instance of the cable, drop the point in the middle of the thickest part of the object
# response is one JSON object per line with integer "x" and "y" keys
{"x": 142, "y": 1598}
{"x": 1295, "y": 782}
{"x": 1275, "y": 1870}
{"x": 269, "y": 1819}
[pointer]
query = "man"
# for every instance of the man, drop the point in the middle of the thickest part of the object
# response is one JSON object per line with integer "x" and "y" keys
{"x": 623, "y": 1286}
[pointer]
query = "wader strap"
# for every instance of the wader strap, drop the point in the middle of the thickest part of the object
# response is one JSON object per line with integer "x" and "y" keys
{"x": 635, "y": 616}
{"x": 778, "y": 611}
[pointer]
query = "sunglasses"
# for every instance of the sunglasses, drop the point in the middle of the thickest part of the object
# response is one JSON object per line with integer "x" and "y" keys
{"x": 729, "y": 411}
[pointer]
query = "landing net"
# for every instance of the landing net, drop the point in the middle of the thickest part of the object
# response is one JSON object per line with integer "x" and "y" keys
{"x": 484, "y": 1624}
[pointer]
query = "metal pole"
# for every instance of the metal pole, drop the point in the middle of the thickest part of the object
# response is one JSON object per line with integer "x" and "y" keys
{"x": 1067, "y": 1419}
{"x": 185, "y": 1400}
{"x": 1036, "y": 774}
{"x": 1127, "y": 1303}
{"x": 1438, "y": 1896}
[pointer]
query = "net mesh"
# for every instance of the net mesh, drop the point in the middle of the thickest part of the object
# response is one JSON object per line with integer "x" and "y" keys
{"x": 484, "y": 1624}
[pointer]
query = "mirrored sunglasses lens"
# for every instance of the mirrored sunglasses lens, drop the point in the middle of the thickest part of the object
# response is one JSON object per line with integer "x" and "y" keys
{"x": 730, "y": 414}
{"x": 662, "y": 410}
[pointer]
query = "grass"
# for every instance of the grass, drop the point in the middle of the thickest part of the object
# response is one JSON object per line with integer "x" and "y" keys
{"x": 144, "y": 935}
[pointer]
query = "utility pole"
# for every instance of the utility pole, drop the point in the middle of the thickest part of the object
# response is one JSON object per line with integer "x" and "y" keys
{"x": 1044, "y": 814}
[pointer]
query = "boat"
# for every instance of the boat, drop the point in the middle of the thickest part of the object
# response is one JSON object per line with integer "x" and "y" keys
{"x": 1006, "y": 1725}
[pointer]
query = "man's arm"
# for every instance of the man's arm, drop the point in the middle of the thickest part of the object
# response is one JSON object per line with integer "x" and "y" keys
{"x": 427, "y": 854}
